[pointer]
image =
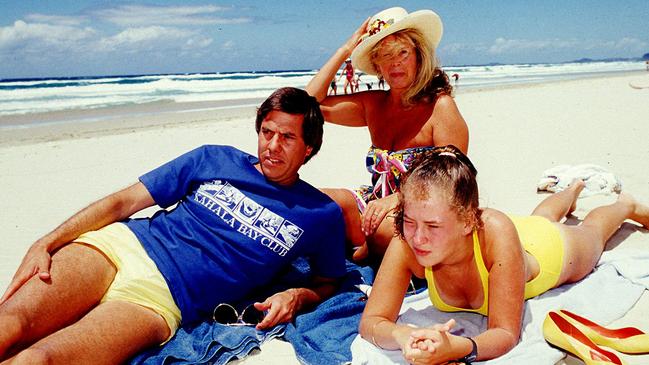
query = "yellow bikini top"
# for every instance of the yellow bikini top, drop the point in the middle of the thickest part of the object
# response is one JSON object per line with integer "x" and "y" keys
{"x": 484, "y": 277}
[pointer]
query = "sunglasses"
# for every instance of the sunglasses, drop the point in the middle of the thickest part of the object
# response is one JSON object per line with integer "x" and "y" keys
{"x": 226, "y": 314}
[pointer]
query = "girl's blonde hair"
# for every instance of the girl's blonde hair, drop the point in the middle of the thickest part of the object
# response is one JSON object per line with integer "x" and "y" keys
{"x": 430, "y": 80}
{"x": 445, "y": 168}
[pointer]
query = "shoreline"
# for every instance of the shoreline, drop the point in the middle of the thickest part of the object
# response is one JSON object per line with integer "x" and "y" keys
{"x": 33, "y": 128}
{"x": 83, "y": 123}
{"x": 550, "y": 80}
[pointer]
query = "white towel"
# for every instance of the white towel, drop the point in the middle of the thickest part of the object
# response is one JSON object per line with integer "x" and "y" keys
{"x": 632, "y": 264}
{"x": 603, "y": 296}
{"x": 598, "y": 179}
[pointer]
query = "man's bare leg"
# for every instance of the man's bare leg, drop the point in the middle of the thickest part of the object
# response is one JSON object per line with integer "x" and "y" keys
{"x": 80, "y": 276}
{"x": 111, "y": 333}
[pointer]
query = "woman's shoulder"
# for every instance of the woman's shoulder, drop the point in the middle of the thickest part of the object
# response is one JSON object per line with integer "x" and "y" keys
{"x": 448, "y": 124}
{"x": 444, "y": 103}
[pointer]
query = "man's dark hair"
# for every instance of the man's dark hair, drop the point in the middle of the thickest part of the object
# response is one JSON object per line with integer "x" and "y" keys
{"x": 296, "y": 101}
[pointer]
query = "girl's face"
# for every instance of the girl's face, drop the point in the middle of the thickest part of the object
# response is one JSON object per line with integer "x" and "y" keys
{"x": 397, "y": 62}
{"x": 432, "y": 227}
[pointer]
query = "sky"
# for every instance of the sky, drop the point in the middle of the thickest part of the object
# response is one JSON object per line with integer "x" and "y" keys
{"x": 86, "y": 37}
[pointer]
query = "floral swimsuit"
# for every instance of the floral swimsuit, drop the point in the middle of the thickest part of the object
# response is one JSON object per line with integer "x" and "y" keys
{"x": 386, "y": 168}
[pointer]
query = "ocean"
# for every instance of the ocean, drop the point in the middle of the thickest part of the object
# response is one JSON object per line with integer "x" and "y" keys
{"x": 25, "y": 96}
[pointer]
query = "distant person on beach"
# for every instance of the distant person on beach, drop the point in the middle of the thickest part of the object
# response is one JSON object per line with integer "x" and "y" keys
{"x": 357, "y": 82}
{"x": 479, "y": 259}
{"x": 348, "y": 72}
{"x": 415, "y": 114}
{"x": 102, "y": 287}
{"x": 455, "y": 77}
{"x": 381, "y": 82}
{"x": 334, "y": 87}
{"x": 647, "y": 64}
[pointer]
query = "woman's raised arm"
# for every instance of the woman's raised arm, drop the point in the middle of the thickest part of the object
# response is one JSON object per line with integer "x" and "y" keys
{"x": 319, "y": 84}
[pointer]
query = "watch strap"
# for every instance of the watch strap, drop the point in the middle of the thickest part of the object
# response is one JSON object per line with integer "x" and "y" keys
{"x": 473, "y": 355}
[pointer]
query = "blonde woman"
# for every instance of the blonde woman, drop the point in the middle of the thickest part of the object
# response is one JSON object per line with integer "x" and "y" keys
{"x": 416, "y": 113}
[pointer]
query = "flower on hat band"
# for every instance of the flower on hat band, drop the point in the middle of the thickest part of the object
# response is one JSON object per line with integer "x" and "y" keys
{"x": 378, "y": 25}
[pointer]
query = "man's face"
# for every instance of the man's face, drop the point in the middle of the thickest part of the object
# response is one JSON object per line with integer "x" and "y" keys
{"x": 281, "y": 148}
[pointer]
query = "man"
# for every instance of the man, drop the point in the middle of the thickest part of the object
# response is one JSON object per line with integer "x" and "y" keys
{"x": 96, "y": 291}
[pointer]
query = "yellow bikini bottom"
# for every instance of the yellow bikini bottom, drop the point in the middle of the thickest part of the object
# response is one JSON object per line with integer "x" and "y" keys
{"x": 541, "y": 239}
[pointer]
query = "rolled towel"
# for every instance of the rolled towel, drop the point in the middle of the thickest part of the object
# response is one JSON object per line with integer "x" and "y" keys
{"x": 598, "y": 180}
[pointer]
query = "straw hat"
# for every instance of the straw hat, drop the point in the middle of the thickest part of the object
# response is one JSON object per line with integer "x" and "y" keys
{"x": 390, "y": 21}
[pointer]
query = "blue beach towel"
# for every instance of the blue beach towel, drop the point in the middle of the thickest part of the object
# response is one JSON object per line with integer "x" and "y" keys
{"x": 208, "y": 343}
{"x": 322, "y": 336}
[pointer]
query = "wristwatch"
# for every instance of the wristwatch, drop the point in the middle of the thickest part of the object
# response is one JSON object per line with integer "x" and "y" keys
{"x": 473, "y": 355}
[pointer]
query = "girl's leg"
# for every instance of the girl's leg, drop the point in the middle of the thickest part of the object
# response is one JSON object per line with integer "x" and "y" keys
{"x": 585, "y": 243}
{"x": 640, "y": 212}
{"x": 561, "y": 204}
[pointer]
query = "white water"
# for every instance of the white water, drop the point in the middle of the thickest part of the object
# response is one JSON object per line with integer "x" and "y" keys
{"x": 21, "y": 97}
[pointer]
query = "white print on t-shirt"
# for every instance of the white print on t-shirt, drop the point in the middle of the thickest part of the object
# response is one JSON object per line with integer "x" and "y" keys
{"x": 248, "y": 217}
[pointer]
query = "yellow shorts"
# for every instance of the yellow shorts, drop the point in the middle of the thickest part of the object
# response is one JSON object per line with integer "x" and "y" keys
{"x": 138, "y": 279}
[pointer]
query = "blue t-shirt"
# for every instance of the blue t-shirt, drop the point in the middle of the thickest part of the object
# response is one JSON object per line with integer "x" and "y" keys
{"x": 232, "y": 229}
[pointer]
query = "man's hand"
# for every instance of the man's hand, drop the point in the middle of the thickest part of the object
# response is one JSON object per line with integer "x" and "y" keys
{"x": 36, "y": 262}
{"x": 113, "y": 208}
{"x": 279, "y": 308}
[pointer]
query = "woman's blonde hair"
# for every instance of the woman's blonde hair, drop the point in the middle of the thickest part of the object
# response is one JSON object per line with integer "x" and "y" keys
{"x": 430, "y": 80}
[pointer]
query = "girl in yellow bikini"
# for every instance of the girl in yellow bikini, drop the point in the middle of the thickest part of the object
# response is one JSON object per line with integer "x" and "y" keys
{"x": 478, "y": 259}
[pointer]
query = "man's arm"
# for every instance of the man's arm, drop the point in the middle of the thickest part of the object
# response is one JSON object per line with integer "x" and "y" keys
{"x": 113, "y": 208}
{"x": 283, "y": 306}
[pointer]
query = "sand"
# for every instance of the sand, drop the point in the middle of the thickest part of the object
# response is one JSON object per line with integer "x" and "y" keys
{"x": 49, "y": 172}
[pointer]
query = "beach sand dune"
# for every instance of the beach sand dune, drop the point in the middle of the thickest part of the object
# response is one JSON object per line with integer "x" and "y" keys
{"x": 516, "y": 134}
